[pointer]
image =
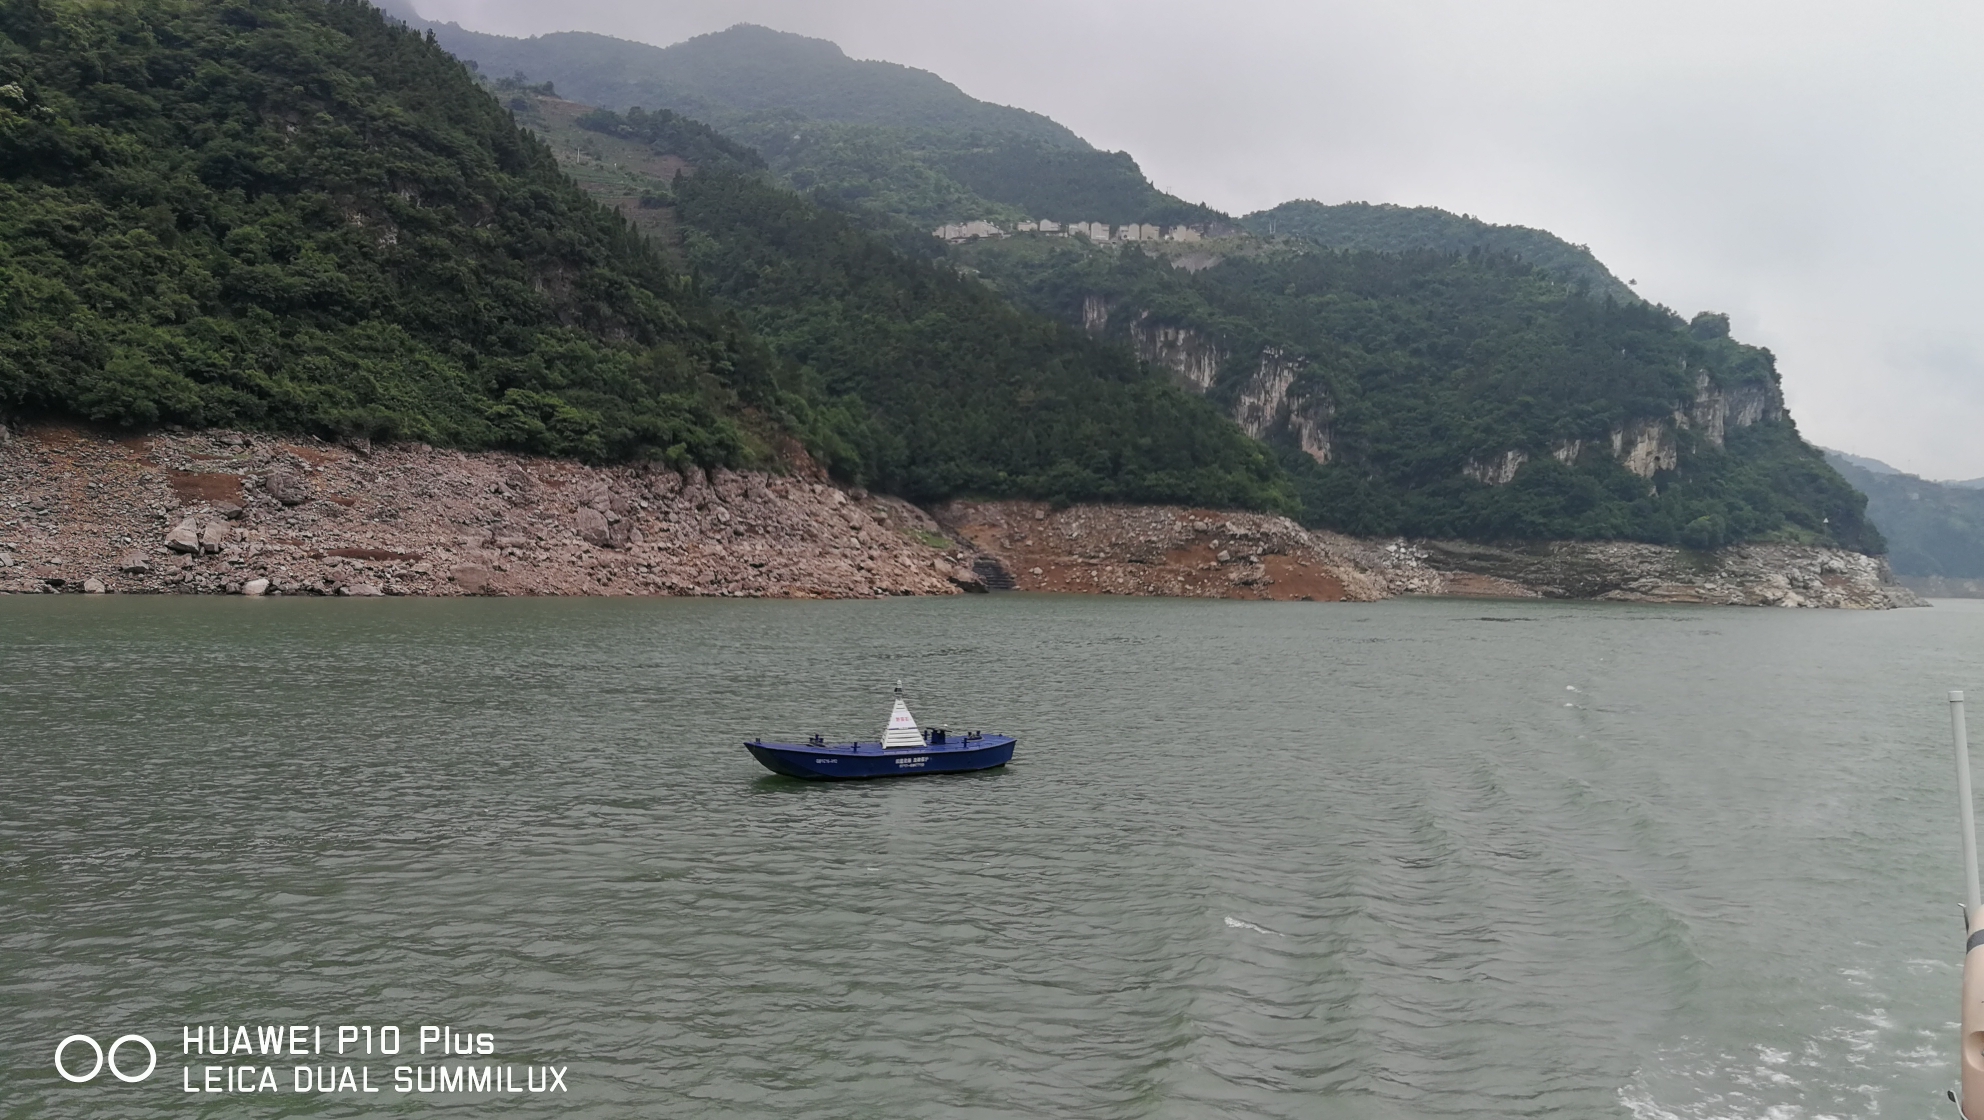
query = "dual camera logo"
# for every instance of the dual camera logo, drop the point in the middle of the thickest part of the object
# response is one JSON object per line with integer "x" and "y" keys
{"x": 104, "y": 1058}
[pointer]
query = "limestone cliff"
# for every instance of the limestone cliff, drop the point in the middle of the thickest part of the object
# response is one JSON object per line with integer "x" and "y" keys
{"x": 1181, "y": 350}
{"x": 1268, "y": 403}
{"x": 1272, "y": 401}
{"x": 1650, "y": 445}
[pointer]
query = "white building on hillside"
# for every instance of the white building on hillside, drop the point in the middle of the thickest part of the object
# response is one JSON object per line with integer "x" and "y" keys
{"x": 968, "y": 231}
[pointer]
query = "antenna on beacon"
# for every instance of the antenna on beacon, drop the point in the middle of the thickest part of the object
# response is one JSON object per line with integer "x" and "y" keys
{"x": 1970, "y": 1044}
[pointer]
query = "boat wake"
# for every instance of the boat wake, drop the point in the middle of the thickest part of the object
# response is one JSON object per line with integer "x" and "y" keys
{"x": 1238, "y": 924}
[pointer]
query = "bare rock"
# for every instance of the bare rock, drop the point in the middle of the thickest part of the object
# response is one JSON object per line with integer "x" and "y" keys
{"x": 185, "y": 538}
{"x": 134, "y": 562}
{"x": 964, "y": 578}
{"x": 473, "y": 579}
{"x": 92, "y": 586}
{"x": 213, "y": 536}
{"x": 361, "y": 590}
{"x": 287, "y": 487}
{"x": 593, "y": 528}
{"x": 255, "y": 587}
{"x": 228, "y": 510}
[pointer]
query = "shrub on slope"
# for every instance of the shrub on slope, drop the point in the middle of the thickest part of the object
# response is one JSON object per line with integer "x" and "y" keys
{"x": 934, "y": 386}
{"x": 293, "y": 214}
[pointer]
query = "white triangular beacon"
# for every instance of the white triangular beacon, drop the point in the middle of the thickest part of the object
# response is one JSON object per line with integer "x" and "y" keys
{"x": 902, "y": 730}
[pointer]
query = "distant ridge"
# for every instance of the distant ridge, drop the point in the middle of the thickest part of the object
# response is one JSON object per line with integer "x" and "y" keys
{"x": 1871, "y": 466}
{"x": 865, "y": 136}
{"x": 747, "y": 70}
{"x": 1934, "y": 530}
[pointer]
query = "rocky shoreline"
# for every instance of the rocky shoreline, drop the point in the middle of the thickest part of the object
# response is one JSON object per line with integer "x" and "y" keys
{"x": 221, "y": 512}
{"x": 229, "y": 512}
{"x": 1141, "y": 550}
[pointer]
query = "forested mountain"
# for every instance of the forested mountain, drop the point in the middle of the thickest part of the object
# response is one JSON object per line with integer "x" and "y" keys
{"x": 293, "y": 215}
{"x": 930, "y": 384}
{"x": 1406, "y": 229}
{"x": 297, "y": 215}
{"x": 730, "y": 76}
{"x": 1932, "y": 528}
{"x": 866, "y": 136}
{"x": 1446, "y": 395}
{"x": 1417, "y": 371}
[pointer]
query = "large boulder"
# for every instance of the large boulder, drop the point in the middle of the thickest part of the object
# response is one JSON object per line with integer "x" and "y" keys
{"x": 287, "y": 487}
{"x": 135, "y": 562}
{"x": 255, "y": 587}
{"x": 213, "y": 536}
{"x": 184, "y": 538}
{"x": 594, "y": 529}
{"x": 473, "y": 579}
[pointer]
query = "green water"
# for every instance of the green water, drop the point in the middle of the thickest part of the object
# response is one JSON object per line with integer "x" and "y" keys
{"x": 1410, "y": 859}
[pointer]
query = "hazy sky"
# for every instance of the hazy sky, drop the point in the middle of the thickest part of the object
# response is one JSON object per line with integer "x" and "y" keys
{"x": 1812, "y": 168}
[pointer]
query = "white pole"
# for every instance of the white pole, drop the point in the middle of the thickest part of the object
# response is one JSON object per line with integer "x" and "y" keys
{"x": 1966, "y": 814}
{"x": 1970, "y": 1036}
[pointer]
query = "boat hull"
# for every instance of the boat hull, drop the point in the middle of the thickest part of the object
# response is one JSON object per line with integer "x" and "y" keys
{"x": 854, "y": 761}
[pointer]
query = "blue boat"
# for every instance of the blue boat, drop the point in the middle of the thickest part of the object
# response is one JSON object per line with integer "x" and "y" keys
{"x": 902, "y": 751}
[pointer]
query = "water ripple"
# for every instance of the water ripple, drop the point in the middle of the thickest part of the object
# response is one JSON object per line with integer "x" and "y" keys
{"x": 1251, "y": 860}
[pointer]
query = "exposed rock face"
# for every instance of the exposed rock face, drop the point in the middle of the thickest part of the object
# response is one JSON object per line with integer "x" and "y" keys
{"x": 1650, "y": 445}
{"x": 1646, "y": 446}
{"x": 1095, "y": 314}
{"x": 1498, "y": 471}
{"x": 1181, "y": 350}
{"x": 1715, "y": 411}
{"x": 1270, "y": 403}
{"x": 1747, "y": 575}
{"x": 410, "y": 520}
